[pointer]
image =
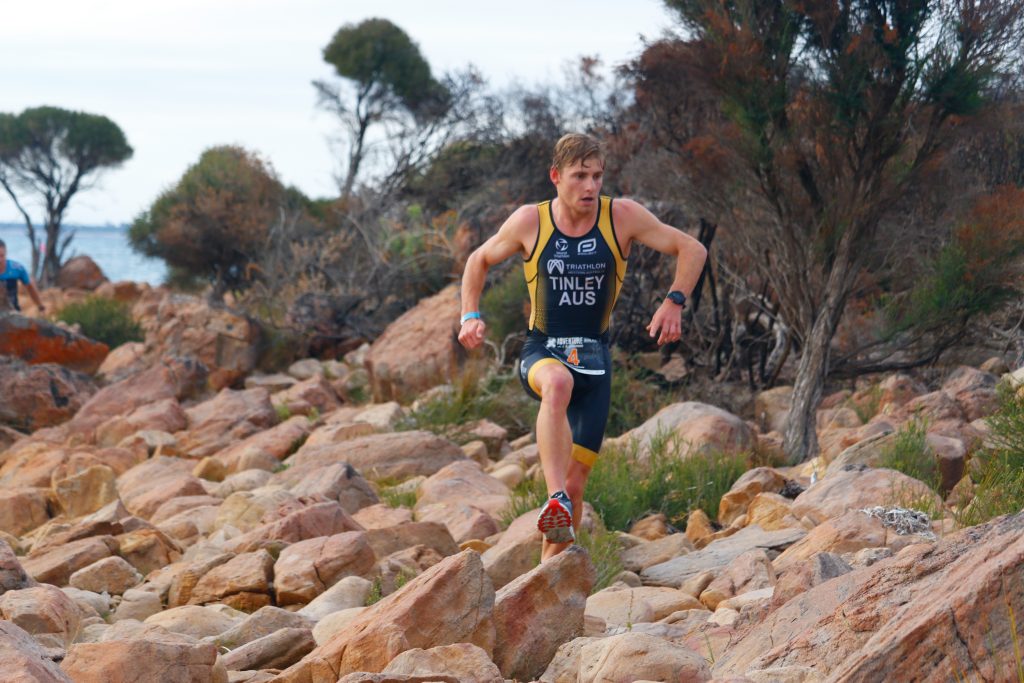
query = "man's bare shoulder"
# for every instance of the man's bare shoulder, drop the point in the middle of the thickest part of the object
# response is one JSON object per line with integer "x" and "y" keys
{"x": 525, "y": 217}
{"x": 630, "y": 215}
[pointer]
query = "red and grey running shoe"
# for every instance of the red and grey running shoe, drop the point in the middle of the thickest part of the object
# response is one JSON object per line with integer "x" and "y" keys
{"x": 555, "y": 519}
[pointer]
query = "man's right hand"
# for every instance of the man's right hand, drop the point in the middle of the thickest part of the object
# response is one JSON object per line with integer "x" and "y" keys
{"x": 472, "y": 333}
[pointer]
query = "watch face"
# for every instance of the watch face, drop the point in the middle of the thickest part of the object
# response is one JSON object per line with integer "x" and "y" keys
{"x": 677, "y": 298}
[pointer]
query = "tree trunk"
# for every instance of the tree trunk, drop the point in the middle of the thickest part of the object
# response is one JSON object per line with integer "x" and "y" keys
{"x": 801, "y": 439}
{"x": 51, "y": 263}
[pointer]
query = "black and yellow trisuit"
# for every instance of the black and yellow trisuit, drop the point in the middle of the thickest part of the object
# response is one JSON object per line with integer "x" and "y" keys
{"x": 574, "y": 283}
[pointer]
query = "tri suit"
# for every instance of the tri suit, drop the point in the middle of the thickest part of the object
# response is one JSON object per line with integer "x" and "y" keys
{"x": 574, "y": 283}
{"x": 12, "y": 274}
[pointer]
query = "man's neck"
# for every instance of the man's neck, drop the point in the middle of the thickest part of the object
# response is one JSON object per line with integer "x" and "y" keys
{"x": 574, "y": 221}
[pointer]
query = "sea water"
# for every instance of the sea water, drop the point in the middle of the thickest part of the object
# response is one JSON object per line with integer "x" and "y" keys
{"x": 107, "y": 245}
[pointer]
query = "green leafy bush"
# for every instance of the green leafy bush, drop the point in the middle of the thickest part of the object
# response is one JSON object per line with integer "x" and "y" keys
{"x": 999, "y": 474}
{"x": 634, "y": 398}
{"x": 104, "y": 320}
{"x": 505, "y": 305}
{"x": 623, "y": 487}
{"x": 909, "y": 454}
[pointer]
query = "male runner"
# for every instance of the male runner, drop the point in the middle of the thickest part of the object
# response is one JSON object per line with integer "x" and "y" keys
{"x": 574, "y": 251}
{"x": 11, "y": 273}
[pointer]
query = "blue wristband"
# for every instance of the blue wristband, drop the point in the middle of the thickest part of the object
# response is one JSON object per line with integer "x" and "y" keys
{"x": 472, "y": 315}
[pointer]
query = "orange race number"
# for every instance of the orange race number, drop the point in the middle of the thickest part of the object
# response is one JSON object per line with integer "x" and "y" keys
{"x": 573, "y": 357}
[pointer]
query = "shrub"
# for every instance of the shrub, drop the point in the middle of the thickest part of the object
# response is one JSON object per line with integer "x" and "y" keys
{"x": 505, "y": 304}
{"x": 605, "y": 555}
{"x": 909, "y": 454}
{"x": 999, "y": 476}
{"x": 498, "y": 397}
{"x": 634, "y": 398}
{"x": 624, "y": 487}
{"x": 104, "y": 320}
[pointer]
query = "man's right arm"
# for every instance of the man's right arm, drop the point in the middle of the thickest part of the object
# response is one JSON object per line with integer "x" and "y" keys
{"x": 512, "y": 238}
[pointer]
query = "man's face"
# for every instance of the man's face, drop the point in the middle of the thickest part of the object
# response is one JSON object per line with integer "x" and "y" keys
{"x": 579, "y": 184}
{"x": 3, "y": 255}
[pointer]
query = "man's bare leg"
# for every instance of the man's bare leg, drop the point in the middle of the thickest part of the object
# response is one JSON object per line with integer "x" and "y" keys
{"x": 575, "y": 481}
{"x": 554, "y": 437}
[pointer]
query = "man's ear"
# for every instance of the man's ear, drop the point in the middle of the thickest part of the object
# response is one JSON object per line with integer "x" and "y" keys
{"x": 553, "y": 174}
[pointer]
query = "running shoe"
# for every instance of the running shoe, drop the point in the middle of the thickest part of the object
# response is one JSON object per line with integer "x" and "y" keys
{"x": 555, "y": 519}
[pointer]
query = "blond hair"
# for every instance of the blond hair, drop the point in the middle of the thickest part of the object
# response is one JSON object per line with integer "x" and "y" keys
{"x": 574, "y": 147}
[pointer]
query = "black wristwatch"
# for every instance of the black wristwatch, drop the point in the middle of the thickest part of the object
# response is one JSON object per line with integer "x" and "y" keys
{"x": 676, "y": 297}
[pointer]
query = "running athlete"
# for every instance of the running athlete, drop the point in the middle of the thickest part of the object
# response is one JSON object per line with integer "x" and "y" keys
{"x": 11, "y": 273}
{"x": 574, "y": 250}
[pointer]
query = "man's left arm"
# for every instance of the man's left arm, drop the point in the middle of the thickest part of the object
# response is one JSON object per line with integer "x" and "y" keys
{"x": 34, "y": 293}
{"x": 641, "y": 225}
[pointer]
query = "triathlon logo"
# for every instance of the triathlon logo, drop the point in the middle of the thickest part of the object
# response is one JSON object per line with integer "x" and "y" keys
{"x": 556, "y": 264}
{"x": 587, "y": 247}
{"x": 561, "y": 247}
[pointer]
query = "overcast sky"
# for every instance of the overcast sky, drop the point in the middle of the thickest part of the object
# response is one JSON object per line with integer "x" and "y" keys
{"x": 181, "y": 76}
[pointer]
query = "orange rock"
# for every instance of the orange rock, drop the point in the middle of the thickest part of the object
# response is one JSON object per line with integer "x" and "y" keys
{"x": 37, "y": 341}
{"x": 417, "y": 351}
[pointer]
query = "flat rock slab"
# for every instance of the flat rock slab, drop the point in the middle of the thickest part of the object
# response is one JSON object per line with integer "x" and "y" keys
{"x": 718, "y": 554}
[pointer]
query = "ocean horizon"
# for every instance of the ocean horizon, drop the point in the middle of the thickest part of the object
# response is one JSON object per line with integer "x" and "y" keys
{"x": 107, "y": 245}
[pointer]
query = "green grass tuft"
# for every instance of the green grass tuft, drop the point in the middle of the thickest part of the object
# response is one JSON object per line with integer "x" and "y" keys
{"x": 605, "y": 554}
{"x": 623, "y": 487}
{"x": 999, "y": 477}
{"x": 105, "y": 320}
{"x": 909, "y": 454}
{"x": 528, "y": 495}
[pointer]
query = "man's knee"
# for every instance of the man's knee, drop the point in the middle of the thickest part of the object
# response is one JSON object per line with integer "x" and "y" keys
{"x": 556, "y": 385}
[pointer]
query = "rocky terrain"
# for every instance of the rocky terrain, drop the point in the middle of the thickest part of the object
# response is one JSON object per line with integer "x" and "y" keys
{"x": 168, "y": 514}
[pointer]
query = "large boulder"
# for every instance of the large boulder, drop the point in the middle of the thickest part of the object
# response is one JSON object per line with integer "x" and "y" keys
{"x": 149, "y": 656}
{"x": 224, "y": 341}
{"x": 22, "y": 509}
{"x": 463, "y": 481}
{"x": 225, "y": 419}
{"x": 457, "y": 595}
{"x": 243, "y": 582}
{"x": 699, "y": 427}
{"x": 306, "y": 569}
{"x": 56, "y": 564}
{"x": 928, "y": 611}
{"x": 178, "y": 378}
{"x": 275, "y": 650}
{"x": 417, "y": 351}
{"x": 856, "y": 487}
{"x": 633, "y": 657}
{"x": 146, "y": 487}
{"x": 45, "y": 612}
{"x": 23, "y": 660}
{"x": 718, "y": 554}
{"x": 399, "y": 455}
{"x": 540, "y": 610}
{"x": 80, "y": 272}
{"x": 37, "y": 396}
{"x": 12, "y": 575}
{"x": 266, "y": 446}
{"x": 38, "y": 341}
{"x": 463, "y": 661}
{"x": 321, "y": 519}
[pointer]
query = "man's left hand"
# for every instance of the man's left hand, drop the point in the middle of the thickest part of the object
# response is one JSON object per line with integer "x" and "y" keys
{"x": 667, "y": 323}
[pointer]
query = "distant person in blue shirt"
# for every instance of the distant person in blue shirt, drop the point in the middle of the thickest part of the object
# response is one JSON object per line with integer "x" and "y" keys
{"x": 11, "y": 273}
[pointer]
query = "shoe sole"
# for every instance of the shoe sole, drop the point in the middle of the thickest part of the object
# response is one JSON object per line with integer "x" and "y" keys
{"x": 555, "y": 523}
